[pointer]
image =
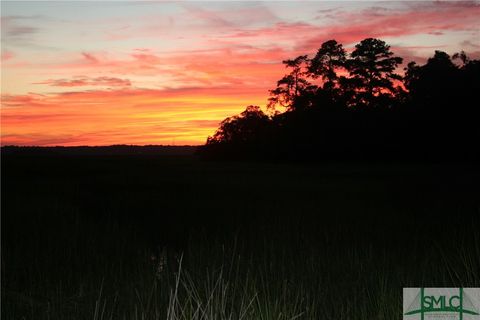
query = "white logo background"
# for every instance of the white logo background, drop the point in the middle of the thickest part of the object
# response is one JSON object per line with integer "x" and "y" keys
{"x": 411, "y": 301}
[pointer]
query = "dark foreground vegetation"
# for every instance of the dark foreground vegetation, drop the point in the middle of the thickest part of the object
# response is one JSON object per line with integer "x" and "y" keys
{"x": 359, "y": 106}
{"x": 144, "y": 236}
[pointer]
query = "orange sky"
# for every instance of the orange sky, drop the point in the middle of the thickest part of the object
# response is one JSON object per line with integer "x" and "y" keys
{"x": 84, "y": 73}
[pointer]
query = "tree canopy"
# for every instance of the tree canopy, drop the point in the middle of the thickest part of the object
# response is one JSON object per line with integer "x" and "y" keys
{"x": 359, "y": 105}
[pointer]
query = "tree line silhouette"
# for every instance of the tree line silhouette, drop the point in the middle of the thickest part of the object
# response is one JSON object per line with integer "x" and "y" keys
{"x": 338, "y": 105}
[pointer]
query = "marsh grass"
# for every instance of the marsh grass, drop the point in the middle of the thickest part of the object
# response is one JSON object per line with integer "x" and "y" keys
{"x": 178, "y": 239}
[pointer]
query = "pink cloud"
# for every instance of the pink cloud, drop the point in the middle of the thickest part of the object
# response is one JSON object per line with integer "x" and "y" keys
{"x": 227, "y": 18}
{"x": 240, "y": 65}
{"x": 350, "y": 27}
{"x": 242, "y": 55}
{"x": 147, "y": 58}
{"x": 31, "y": 99}
{"x": 7, "y": 55}
{"x": 136, "y": 64}
{"x": 89, "y": 57}
{"x": 212, "y": 18}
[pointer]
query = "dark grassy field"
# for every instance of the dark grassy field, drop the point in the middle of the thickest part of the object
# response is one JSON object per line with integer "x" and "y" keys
{"x": 167, "y": 236}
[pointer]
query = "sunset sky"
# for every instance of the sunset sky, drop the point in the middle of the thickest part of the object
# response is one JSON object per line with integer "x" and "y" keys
{"x": 155, "y": 72}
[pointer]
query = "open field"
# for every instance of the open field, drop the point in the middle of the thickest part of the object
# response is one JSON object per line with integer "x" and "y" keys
{"x": 147, "y": 236}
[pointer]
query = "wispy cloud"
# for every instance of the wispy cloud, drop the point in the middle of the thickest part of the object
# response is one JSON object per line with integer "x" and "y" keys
{"x": 90, "y": 58}
{"x": 349, "y": 27}
{"x": 87, "y": 81}
{"x": 18, "y": 29}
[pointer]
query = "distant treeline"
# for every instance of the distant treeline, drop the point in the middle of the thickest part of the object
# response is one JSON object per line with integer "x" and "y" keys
{"x": 100, "y": 150}
{"x": 356, "y": 106}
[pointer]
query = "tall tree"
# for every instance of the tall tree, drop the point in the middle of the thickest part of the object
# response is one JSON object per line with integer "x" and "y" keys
{"x": 372, "y": 72}
{"x": 329, "y": 59}
{"x": 292, "y": 86}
